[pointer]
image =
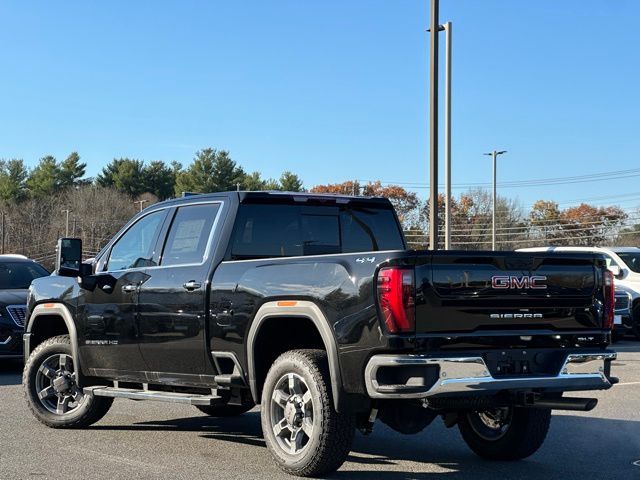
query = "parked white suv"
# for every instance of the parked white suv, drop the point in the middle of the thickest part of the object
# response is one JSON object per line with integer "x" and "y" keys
{"x": 624, "y": 262}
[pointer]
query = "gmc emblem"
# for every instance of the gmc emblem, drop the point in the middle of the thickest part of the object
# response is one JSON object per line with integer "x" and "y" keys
{"x": 522, "y": 283}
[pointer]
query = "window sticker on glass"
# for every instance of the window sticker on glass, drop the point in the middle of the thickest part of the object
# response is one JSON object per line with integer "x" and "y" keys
{"x": 189, "y": 234}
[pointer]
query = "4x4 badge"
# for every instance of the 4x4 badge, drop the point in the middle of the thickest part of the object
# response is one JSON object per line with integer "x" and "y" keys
{"x": 366, "y": 259}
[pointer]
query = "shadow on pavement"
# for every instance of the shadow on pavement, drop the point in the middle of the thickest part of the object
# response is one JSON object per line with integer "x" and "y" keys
{"x": 577, "y": 447}
{"x": 10, "y": 372}
{"x": 626, "y": 346}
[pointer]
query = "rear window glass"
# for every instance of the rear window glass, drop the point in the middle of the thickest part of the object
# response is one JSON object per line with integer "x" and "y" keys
{"x": 263, "y": 230}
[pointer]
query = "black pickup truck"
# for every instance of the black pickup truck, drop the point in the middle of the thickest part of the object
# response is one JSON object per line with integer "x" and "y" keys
{"x": 312, "y": 307}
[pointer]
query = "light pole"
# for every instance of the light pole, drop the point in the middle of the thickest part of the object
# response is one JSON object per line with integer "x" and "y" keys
{"x": 448, "y": 28}
{"x": 433, "y": 127}
{"x": 141, "y": 202}
{"x": 494, "y": 154}
{"x": 66, "y": 231}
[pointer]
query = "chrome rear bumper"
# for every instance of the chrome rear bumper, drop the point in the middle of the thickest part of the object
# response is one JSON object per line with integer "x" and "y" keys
{"x": 460, "y": 375}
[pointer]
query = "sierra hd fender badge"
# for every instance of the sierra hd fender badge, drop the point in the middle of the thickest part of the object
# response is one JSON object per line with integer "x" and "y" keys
{"x": 101, "y": 342}
{"x": 524, "y": 282}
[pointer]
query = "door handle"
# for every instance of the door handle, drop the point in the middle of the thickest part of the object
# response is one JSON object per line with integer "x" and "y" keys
{"x": 129, "y": 288}
{"x": 191, "y": 285}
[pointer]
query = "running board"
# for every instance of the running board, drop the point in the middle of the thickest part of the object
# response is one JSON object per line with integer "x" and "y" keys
{"x": 160, "y": 396}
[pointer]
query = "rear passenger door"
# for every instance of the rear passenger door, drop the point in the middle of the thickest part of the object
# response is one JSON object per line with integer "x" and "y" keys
{"x": 172, "y": 300}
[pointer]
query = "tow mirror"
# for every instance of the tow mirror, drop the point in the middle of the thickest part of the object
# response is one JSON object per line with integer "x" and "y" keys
{"x": 69, "y": 257}
{"x": 615, "y": 269}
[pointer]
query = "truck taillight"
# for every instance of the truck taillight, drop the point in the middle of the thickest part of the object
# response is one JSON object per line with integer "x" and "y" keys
{"x": 609, "y": 299}
{"x": 396, "y": 297}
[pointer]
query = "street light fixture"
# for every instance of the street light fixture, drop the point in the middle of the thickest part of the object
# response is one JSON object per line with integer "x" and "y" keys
{"x": 494, "y": 154}
{"x": 141, "y": 202}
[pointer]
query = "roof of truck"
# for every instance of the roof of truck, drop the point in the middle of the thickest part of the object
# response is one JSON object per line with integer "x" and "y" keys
{"x": 580, "y": 249}
{"x": 270, "y": 196}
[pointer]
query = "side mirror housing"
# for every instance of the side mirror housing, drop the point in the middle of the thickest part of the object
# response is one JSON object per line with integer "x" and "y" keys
{"x": 69, "y": 257}
{"x": 616, "y": 270}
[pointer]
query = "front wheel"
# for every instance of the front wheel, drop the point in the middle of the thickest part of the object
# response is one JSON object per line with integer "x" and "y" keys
{"x": 508, "y": 433}
{"x": 303, "y": 432}
{"x": 51, "y": 391}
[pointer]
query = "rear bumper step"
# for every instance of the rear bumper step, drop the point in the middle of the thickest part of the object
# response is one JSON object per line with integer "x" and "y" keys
{"x": 429, "y": 376}
{"x": 188, "y": 398}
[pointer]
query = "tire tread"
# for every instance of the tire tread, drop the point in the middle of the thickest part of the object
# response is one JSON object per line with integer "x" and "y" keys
{"x": 97, "y": 409}
{"x": 338, "y": 429}
{"x": 528, "y": 431}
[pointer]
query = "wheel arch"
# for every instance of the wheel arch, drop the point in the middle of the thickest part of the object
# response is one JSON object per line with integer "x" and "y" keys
{"x": 292, "y": 309}
{"x": 46, "y": 312}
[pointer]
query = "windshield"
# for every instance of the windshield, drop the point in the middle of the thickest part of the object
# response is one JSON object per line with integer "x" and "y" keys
{"x": 631, "y": 259}
{"x": 19, "y": 275}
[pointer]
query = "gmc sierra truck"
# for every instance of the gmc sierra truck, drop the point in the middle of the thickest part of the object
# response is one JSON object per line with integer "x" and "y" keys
{"x": 312, "y": 307}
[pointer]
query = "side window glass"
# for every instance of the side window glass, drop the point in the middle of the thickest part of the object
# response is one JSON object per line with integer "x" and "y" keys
{"x": 135, "y": 248}
{"x": 189, "y": 234}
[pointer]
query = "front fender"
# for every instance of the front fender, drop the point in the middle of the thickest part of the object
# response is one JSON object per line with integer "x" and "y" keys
{"x": 57, "y": 310}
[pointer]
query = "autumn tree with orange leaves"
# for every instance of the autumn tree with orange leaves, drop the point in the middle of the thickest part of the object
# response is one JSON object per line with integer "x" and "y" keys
{"x": 582, "y": 225}
{"x": 405, "y": 203}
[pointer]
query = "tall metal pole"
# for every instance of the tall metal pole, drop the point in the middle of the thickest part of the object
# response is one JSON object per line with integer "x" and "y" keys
{"x": 493, "y": 204}
{"x": 66, "y": 231}
{"x": 494, "y": 155}
{"x": 433, "y": 127}
{"x": 3, "y": 235}
{"x": 447, "y": 136}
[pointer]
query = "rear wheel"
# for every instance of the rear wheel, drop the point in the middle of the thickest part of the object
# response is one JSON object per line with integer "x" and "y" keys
{"x": 51, "y": 391}
{"x": 508, "y": 433}
{"x": 303, "y": 432}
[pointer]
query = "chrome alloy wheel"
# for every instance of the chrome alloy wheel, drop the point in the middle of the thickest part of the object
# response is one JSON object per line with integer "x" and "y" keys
{"x": 491, "y": 424}
{"x": 55, "y": 385}
{"x": 292, "y": 413}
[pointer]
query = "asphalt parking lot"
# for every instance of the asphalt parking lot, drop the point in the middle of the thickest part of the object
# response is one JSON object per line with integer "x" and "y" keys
{"x": 147, "y": 440}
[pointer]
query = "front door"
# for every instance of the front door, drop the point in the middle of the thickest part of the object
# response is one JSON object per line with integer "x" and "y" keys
{"x": 109, "y": 339}
{"x": 172, "y": 300}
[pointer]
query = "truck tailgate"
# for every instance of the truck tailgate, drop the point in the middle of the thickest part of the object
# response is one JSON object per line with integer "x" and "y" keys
{"x": 471, "y": 291}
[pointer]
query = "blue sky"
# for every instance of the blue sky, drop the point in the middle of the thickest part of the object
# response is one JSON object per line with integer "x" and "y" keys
{"x": 332, "y": 90}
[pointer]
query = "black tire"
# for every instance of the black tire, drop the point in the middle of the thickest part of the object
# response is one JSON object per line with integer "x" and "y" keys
{"x": 87, "y": 410}
{"x": 521, "y": 437}
{"x": 330, "y": 434}
{"x": 224, "y": 410}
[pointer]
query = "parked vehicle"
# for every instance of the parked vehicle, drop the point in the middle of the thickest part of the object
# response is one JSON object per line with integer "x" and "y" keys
{"x": 624, "y": 262}
{"x": 16, "y": 274}
{"x": 310, "y": 306}
{"x": 622, "y": 320}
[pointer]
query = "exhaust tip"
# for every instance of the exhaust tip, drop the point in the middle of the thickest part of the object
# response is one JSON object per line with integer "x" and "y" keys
{"x": 590, "y": 404}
